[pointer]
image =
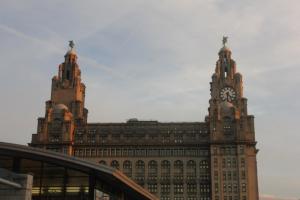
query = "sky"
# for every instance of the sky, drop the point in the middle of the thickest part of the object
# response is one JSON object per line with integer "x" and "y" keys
{"x": 154, "y": 60}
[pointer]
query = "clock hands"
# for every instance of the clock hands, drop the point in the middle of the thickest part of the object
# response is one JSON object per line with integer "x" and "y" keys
{"x": 227, "y": 96}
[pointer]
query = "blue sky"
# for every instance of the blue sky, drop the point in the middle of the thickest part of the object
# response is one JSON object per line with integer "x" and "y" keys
{"x": 154, "y": 60}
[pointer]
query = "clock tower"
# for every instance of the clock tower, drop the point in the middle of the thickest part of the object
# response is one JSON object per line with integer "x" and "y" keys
{"x": 65, "y": 110}
{"x": 232, "y": 138}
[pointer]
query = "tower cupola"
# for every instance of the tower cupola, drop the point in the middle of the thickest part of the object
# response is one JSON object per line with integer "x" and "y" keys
{"x": 71, "y": 55}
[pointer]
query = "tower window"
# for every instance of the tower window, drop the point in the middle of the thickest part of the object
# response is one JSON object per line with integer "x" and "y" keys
{"x": 227, "y": 125}
{"x": 68, "y": 75}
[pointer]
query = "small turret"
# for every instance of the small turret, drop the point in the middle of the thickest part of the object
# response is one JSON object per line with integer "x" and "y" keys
{"x": 71, "y": 55}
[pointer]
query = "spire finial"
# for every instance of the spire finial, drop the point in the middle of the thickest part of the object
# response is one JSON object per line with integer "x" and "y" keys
{"x": 225, "y": 40}
{"x": 71, "y": 44}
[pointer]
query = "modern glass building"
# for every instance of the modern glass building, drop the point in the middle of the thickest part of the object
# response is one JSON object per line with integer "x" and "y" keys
{"x": 61, "y": 177}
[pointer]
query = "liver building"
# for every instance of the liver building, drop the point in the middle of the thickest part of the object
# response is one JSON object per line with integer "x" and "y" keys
{"x": 210, "y": 160}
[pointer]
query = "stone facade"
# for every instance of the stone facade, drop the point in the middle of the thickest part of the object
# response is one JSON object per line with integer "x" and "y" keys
{"x": 210, "y": 160}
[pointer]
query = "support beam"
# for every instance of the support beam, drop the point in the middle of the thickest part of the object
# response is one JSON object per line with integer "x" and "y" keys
{"x": 92, "y": 184}
{"x": 10, "y": 183}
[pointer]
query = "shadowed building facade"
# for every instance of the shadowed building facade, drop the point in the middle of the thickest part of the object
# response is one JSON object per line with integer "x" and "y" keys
{"x": 210, "y": 160}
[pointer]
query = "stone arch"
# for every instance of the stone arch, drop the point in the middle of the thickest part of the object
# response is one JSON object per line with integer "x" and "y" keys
{"x": 102, "y": 162}
{"x": 115, "y": 164}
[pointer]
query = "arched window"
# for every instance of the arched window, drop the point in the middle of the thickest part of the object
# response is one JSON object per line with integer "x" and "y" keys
{"x": 152, "y": 170}
{"x": 102, "y": 162}
{"x": 165, "y": 170}
{"x": 127, "y": 168}
{"x": 140, "y": 165}
{"x": 115, "y": 164}
{"x": 178, "y": 170}
{"x": 140, "y": 172}
{"x": 191, "y": 170}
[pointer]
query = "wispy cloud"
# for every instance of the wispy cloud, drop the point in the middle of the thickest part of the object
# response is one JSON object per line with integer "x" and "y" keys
{"x": 20, "y": 34}
{"x": 154, "y": 60}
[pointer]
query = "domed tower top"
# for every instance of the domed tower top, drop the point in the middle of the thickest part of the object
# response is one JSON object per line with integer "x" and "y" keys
{"x": 225, "y": 52}
{"x": 71, "y": 55}
{"x": 225, "y": 67}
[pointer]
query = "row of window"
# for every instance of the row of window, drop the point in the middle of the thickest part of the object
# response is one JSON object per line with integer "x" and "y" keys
{"x": 178, "y": 167}
{"x": 118, "y": 132}
{"x": 231, "y": 188}
{"x": 125, "y": 152}
{"x": 178, "y": 188}
{"x": 177, "y": 138}
{"x": 230, "y": 175}
{"x": 230, "y": 162}
{"x": 229, "y": 150}
{"x": 231, "y": 198}
{"x": 188, "y": 198}
{"x": 178, "y": 164}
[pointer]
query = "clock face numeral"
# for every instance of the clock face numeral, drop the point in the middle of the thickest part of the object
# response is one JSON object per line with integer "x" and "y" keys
{"x": 228, "y": 94}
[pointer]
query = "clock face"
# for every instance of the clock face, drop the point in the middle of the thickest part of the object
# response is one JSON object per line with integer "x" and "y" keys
{"x": 227, "y": 94}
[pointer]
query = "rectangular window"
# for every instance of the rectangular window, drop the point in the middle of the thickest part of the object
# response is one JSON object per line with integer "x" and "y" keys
{"x": 243, "y": 187}
{"x": 233, "y": 162}
{"x": 243, "y": 175}
{"x": 124, "y": 152}
{"x": 152, "y": 188}
{"x": 113, "y": 152}
{"x": 216, "y": 187}
{"x": 235, "y": 188}
{"x": 216, "y": 175}
{"x": 229, "y": 188}
{"x": 228, "y": 151}
{"x": 99, "y": 152}
{"x": 165, "y": 188}
{"x": 178, "y": 188}
{"x": 242, "y": 150}
{"x": 229, "y": 175}
{"x": 118, "y": 152}
{"x": 88, "y": 152}
{"x": 105, "y": 152}
{"x": 228, "y": 162}
{"x": 242, "y": 162}
{"x": 192, "y": 188}
{"x": 215, "y": 162}
{"x": 93, "y": 152}
{"x": 234, "y": 174}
